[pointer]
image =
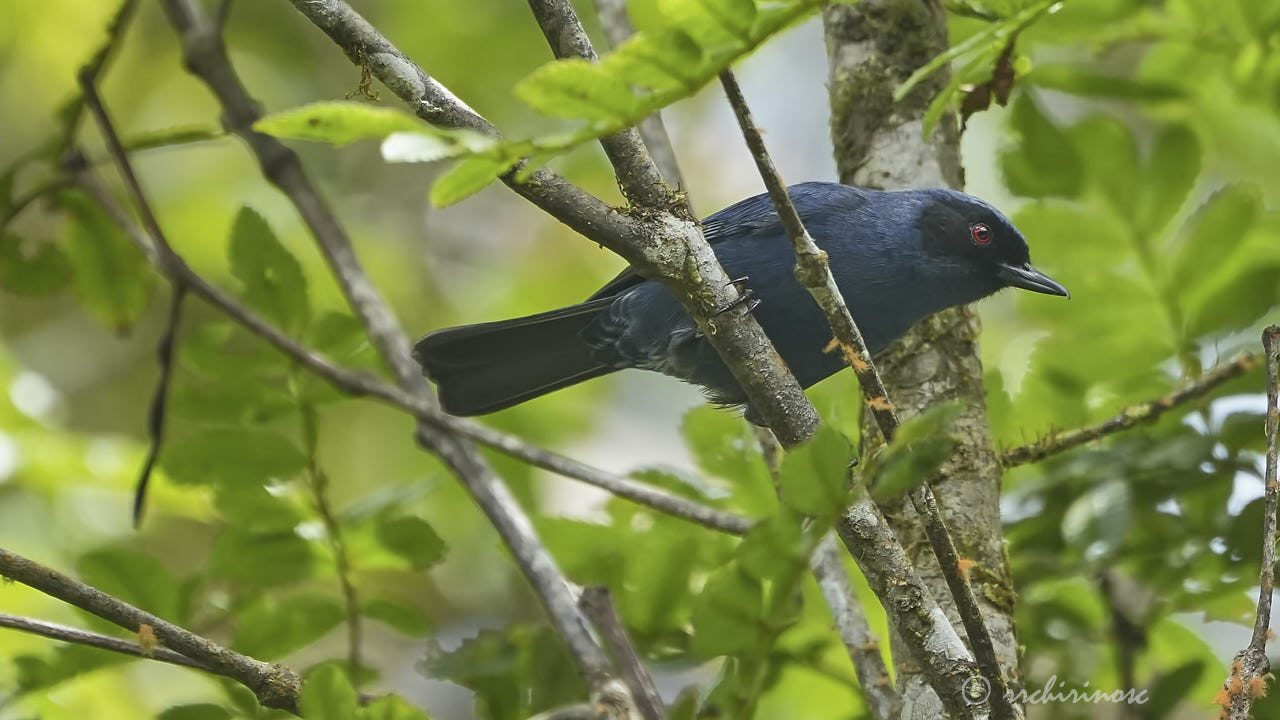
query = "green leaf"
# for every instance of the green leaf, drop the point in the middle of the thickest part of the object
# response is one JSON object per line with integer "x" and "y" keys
{"x": 1168, "y": 179}
{"x": 727, "y": 613}
{"x": 723, "y": 446}
{"x": 327, "y": 694}
{"x": 338, "y": 123}
{"x": 392, "y": 707}
{"x": 1076, "y": 80}
{"x": 273, "y": 279}
{"x": 133, "y": 577}
{"x": 408, "y": 620}
{"x": 112, "y": 277}
{"x": 195, "y": 711}
{"x": 1172, "y": 688}
{"x": 413, "y": 539}
{"x": 231, "y": 456}
{"x": 814, "y": 478}
{"x": 37, "y": 269}
{"x": 1110, "y": 157}
{"x": 1216, "y": 230}
{"x": 252, "y": 508}
{"x": 666, "y": 59}
{"x": 918, "y": 449}
{"x": 576, "y": 88}
{"x": 774, "y": 546}
{"x": 261, "y": 559}
{"x": 270, "y": 629}
{"x": 1098, "y": 520}
{"x": 1042, "y": 162}
{"x": 467, "y": 178}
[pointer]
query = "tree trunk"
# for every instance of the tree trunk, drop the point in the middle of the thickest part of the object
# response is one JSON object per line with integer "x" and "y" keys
{"x": 873, "y": 46}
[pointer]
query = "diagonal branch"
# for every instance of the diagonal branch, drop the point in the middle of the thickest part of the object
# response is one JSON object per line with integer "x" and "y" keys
{"x": 637, "y": 174}
{"x": 54, "y": 631}
{"x": 275, "y": 686}
{"x": 1251, "y": 668}
{"x": 1132, "y": 416}
{"x": 814, "y": 272}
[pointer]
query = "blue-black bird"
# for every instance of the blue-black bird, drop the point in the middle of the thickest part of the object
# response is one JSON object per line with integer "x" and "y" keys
{"x": 896, "y": 257}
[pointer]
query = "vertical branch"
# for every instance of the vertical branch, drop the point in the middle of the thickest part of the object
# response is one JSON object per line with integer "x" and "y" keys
{"x": 159, "y": 401}
{"x": 1249, "y": 671}
{"x": 637, "y": 175}
{"x": 617, "y": 28}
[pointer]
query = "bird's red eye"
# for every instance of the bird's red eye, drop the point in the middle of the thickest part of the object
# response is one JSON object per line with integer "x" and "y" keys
{"x": 981, "y": 233}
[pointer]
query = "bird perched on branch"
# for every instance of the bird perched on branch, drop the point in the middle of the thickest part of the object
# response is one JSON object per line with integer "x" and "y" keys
{"x": 896, "y": 257}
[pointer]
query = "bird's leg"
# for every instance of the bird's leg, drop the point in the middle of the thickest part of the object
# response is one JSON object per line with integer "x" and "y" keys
{"x": 745, "y": 297}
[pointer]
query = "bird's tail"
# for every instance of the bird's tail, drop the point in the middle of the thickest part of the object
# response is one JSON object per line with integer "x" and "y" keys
{"x": 490, "y": 366}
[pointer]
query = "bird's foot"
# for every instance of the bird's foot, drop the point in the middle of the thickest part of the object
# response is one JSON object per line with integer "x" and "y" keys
{"x": 746, "y": 296}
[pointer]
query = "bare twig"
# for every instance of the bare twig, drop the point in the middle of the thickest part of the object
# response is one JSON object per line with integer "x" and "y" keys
{"x": 597, "y": 605}
{"x": 54, "y": 631}
{"x": 1133, "y": 416}
{"x": 1249, "y": 672}
{"x": 814, "y": 273}
{"x": 275, "y": 686}
{"x": 861, "y": 644}
{"x": 617, "y": 28}
{"x": 637, "y": 175}
{"x": 155, "y": 419}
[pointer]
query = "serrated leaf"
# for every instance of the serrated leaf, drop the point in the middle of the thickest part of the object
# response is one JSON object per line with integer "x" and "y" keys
{"x": 112, "y": 277}
{"x": 814, "y": 478}
{"x": 576, "y": 88}
{"x": 327, "y": 694}
{"x": 468, "y": 177}
{"x": 32, "y": 268}
{"x": 727, "y": 613}
{"x": 231, "y": 456}
{"x": 337, "y": 123}
{"x": 273, "y": 279}
{"x": 662, "y": 60}
{"x": 413, "y": 539}
{"x": 1169, "y": 177}
{"x": 270, "y": 629}
{"x": 1215, "y": 231}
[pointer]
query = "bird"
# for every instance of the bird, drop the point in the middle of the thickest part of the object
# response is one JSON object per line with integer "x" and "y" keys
{"x": 896, "y": 256}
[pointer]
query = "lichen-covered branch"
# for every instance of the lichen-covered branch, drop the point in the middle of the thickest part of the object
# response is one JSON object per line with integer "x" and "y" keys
{"x": 275, "y": 686}
{"x": 1251, "y": 667}
{"x": 814, "y": 273}
{"x": 1132, "y": 416}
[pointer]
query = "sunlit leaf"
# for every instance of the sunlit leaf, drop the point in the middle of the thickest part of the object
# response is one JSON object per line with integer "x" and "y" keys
{"x": 273, "y": 280}
{"x": 327, "y": 694}
{"x": 32, "y": 268}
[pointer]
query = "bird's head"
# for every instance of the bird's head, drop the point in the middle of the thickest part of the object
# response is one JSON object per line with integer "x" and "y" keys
{"x": 977, "y": 240}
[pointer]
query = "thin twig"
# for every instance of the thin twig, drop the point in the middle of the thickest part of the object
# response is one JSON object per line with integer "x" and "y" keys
{"x": 637, "y": 175}
{"x": 597, "y": 605}
{"x": 54, "y": 631}
{"x": 617, "y": 29}
{"x": 814, "y": 272}
{"x": 159, "y": 401}
{"x": 861, "y": 644}
{"x": 1249, "y": 672}
{"x": 275, "y": 686}
{"x": 1133, "y": 416}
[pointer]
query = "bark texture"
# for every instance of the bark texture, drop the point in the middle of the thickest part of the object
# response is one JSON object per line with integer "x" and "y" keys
{"x": 873, "y": 46}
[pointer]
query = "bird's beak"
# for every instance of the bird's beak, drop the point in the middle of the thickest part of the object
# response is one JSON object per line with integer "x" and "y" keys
{"x": 1028, "y": 278}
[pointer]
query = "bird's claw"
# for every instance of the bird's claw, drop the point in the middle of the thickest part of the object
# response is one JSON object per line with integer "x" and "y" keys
{"x": 746, "y": 296}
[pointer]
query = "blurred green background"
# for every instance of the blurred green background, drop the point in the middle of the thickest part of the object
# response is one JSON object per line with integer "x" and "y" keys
{"x": 1139, "y": 155}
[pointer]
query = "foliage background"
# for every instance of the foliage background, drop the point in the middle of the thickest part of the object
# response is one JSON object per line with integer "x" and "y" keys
{"x": 1138, "y": 155}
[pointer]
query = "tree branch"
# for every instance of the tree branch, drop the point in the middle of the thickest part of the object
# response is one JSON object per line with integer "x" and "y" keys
{"x": 1251, "y": 668}
{"x": 861, "y": 644}
{"x": 637, "y": 175}
{"x": 617, "y": 29}
{"x": 814, "y": 273}
{"x": 54, "y": 631}
{"x": 660, "y": 245}
{"x": 275, "y": 686}
{"x": 597, "y": 605}
{"x": 1132, "y": 416}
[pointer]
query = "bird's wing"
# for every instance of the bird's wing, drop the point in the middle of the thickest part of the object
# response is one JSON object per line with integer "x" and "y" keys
{"x": 745, "y": 217}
